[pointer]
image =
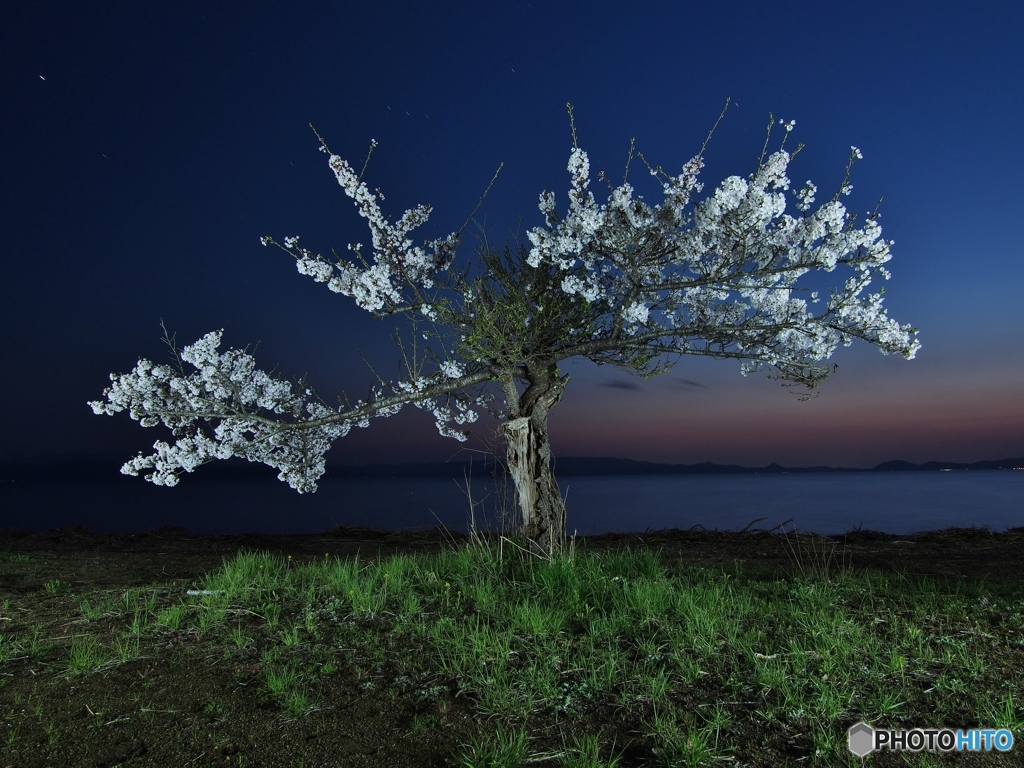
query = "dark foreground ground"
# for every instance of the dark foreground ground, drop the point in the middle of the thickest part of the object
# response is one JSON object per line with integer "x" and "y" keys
{"x": 79, "y": 557}
{"x": 94, "y": 719}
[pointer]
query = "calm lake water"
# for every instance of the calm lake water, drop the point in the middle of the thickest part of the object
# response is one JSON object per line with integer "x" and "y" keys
{"x": 897, "y": 503}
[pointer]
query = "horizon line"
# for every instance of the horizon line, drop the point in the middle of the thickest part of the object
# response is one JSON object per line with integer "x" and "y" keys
{"x": 1014, "y": 462}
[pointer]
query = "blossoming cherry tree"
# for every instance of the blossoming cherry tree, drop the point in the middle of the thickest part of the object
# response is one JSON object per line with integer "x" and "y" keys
{"x": 619, "y": 283}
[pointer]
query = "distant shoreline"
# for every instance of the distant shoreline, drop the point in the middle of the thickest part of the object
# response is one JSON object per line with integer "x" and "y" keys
{"x": 93, "y": 469}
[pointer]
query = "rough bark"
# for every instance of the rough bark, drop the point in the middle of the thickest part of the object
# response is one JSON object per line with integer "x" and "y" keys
{"x": 528, "y": 454}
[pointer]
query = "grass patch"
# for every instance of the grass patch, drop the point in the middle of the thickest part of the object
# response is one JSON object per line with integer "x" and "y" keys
{"x": 482, "y": 656}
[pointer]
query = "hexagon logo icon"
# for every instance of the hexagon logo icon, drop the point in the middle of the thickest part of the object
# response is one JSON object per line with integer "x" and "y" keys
{"x": 861, "y": 739}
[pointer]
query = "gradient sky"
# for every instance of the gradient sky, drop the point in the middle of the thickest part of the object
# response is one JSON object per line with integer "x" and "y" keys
{"x": 147, "y": 147}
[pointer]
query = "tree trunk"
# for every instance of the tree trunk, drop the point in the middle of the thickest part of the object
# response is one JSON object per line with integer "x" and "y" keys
{"x": 529, "y": 462}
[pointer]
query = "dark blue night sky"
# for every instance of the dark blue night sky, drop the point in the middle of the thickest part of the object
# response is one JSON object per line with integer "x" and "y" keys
{"x": 148, "y": 146}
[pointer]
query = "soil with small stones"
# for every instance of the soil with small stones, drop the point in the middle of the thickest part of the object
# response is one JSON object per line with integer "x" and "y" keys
{"x": 186, "y": 701}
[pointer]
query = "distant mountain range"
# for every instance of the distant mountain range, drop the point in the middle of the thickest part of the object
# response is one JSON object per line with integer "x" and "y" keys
{"x": 236, "y": 469}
